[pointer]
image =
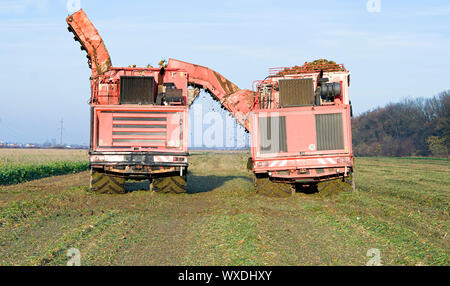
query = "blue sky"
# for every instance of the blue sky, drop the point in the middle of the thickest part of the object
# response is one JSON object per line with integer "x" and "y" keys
{"x": 402, "y": 51}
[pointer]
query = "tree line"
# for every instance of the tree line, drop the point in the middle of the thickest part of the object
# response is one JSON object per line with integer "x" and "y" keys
{"x": 412, "y": 127}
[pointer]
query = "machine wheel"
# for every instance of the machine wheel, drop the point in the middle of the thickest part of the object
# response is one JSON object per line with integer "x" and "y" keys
{"x": 103, "y": 183}
{"x": 266, "y": 187}
{"x": 174, "y": 184}
{"x": 336, "y": 185}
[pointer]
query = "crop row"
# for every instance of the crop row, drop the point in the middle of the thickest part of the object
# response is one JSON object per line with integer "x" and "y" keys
{"x": 18, "y": 174}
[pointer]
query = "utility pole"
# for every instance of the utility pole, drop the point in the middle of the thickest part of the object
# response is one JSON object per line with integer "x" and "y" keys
{"x": 61, "y": 136}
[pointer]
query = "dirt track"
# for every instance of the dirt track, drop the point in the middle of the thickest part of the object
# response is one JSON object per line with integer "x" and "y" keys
{"x": 222, "y": 222}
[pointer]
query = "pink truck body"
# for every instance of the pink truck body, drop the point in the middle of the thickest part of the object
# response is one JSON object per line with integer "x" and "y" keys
{"x": 305, "y": 144}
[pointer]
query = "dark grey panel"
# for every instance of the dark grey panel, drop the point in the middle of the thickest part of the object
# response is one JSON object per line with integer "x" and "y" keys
{"x": 137, "y": 90}
{"x": 283, "y": 137}
{"x": 329, "y": 131}
{"x": 265, "y": 132}
{"x": 272, "y": 134}
{"x": 296, "y": 92}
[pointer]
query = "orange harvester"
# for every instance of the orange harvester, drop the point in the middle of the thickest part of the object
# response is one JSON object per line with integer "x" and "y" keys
{"x": 139, "y": 116}
{"x": 300, "y": 129}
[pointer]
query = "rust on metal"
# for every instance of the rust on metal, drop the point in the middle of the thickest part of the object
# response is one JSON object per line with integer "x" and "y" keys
{"x": 84, "y": 32}
{"x": 227, "y": 85}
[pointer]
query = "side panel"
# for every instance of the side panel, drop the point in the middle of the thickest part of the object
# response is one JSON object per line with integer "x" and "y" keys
{"x": 272, "y": 134}
{"x": 140, "y": 128}
{"x": 104, "y": 132}
{"x": 301, "y": 130}
{"x": 317, "y": 137}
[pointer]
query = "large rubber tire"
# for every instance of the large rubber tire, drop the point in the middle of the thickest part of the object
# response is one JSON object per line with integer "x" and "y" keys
{"x": 264, "y": 186}
{"x": 103, "y": 183}
{"x": 174, "y": 185}
{"x": 336, "y": 185}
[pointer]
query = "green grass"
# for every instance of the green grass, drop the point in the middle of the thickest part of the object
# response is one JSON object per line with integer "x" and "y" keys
{"x": 401, "y": 207}
{"x": 227, "y": 240}
{"x": 21, "y": 165}
{"x": 19, "y": 174}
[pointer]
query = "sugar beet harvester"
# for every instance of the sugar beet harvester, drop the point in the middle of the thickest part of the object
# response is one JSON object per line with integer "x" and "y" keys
{"x": 299, "y": 120}
{"x": 139, "y": 116}
{"x": 300, "y": 129}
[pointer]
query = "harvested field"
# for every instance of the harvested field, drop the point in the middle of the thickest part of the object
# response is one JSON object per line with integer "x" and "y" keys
{"x": 401, "y": 207}
{"x": 21, "y": 157}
